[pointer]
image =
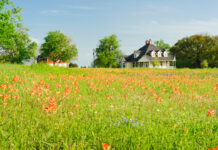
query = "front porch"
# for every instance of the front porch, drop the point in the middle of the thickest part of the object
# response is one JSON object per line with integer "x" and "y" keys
{"x": 151, "y": 64}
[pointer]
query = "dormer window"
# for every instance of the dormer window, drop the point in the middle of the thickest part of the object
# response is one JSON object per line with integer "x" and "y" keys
{"x": 159, "y": 54}
{"x": 153, "y": 54}
{"x": 165, "y": 54}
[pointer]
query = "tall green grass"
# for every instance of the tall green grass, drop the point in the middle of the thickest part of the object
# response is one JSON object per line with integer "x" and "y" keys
{"x": 115, "y": 106}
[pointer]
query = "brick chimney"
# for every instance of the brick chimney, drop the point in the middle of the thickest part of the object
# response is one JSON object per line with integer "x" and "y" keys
{"x": 148, "y": 42}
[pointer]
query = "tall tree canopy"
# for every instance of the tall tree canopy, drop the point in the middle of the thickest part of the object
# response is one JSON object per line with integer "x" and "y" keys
{"x": 107, "y": 53}
{"x": 162, "y": 44}
{"x": 192, "y": 51}
{"x": 58, "y": 47}
{"x": 15, "y": 45}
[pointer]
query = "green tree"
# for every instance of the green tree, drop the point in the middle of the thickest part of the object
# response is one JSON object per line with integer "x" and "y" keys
{"x": 58, "y": 46}
{"x": 107, "y": 53}
{"x": 162, "y": 44}
{"x": 191, "y": 51}
{"x": 155, "y": 62}
{"x": 204, "y": 64}
{"x": 15, "y": 44}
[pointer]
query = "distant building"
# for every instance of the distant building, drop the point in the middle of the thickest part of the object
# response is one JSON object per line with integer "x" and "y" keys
{"x": 149, "y": 56}
{"x": 41, "y": 59}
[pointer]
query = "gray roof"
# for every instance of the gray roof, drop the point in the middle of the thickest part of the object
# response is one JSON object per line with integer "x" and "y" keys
{"x": 145, "y": 54}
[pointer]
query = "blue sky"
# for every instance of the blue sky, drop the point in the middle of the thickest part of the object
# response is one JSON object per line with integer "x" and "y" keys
{"x": 134, "y": 21}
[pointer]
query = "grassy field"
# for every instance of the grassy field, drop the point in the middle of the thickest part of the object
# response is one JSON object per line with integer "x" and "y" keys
{"x": 46, "y": 107}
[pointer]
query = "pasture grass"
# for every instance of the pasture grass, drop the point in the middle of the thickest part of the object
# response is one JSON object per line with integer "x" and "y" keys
{"x": 46, "y": 107}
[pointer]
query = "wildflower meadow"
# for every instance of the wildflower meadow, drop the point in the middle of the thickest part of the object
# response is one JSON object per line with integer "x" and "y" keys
{"x": 46, "y": 107}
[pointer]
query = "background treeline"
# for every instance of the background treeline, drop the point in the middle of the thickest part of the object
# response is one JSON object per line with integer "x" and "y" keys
{"x": 196, "y": 51}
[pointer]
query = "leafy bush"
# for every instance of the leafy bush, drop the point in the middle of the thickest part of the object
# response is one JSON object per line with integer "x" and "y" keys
{"x": 73, "y": 65}
{"x": 204, "y": 64}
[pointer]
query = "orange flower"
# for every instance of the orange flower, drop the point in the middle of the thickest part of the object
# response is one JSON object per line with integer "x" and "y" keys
{"x": 93, "y": 105}
{"x": 75, "y": 105}
{"x": 52, "y": 106}
{"x": 15, "y": 78}
{"x": 15, "y": 96}
{"x": 109, "y": 97}
{"x": 153, "y": 93}
{"x": 210, "y": 148}
{"x": 5, "y": 96}
{"x": 70, "y": 112}
{"x": 125, "y": 95}
{"x": 158, "y": 98}
{"x": 3, "y": 86}
{"x": 5, "y": 103}
{"x": 211, "y": 112}
{"x": 105, "y": 146}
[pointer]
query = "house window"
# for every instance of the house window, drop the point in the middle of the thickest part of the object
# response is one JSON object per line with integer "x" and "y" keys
{"x": 152, "y": 54}
{"x": 165, "y": 54}
{"x": 159, "y": 54}
{"x": 141, "y": 64}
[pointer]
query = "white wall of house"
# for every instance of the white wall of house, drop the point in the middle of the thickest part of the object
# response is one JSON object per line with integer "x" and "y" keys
{"x": 128, "y": 65}
{"x": 165, "y": 64}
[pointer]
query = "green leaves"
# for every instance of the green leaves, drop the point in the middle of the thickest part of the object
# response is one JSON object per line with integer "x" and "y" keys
{"x": 58, "y": 46}
{"x": 192, "y": 51}
{"x": 108, "y": 53}
{"x": 14, "y": 40}
{"x": 161, "y": 44}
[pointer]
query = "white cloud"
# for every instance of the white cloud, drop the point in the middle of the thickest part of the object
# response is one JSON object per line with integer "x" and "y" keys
{"x": 36, "y": 40}
{"x": 81, "y": 7}
{"x": 171, "y": 31}
{"x": 47, "y": 25}
{"x": 58, "y": 13}
{"x": 51, "y": 12}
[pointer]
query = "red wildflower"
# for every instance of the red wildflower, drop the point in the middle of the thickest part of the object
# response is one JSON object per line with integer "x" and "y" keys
{"x": 5, "y": 96}
{"x": 158, "y": 98}
{"x": 105, "y": 146}
{"x": 75, "y": 90}
{"x": 75, "y": 105}
{"x": 15, "y": 96}
{"x": 3, "y": 86}
{"x": 125, "y": 95}
{"x": 5, "y": 103}
{"x": 58, "y": 85}
{"x": 153, "y": 93}
{"x": 109, "y": 97}
{"x": 15, "y": 78}
{"x": 211, "y": 112}
{"x": 52, "y": 106}
{"x": 93, "y": 105}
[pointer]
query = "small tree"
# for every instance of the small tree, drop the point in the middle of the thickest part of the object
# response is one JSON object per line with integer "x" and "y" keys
{"x": 73, "y": 65}
{"x": 107, "y": 53}
{"x": 58, "y": 47}
{"x": 162, "y": 44}
{"x": 204, "y": 64}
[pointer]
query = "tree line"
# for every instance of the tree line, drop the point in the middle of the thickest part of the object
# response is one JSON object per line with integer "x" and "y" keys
{"x": 16, "y": 46}
{"x": 196, "y": 51}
